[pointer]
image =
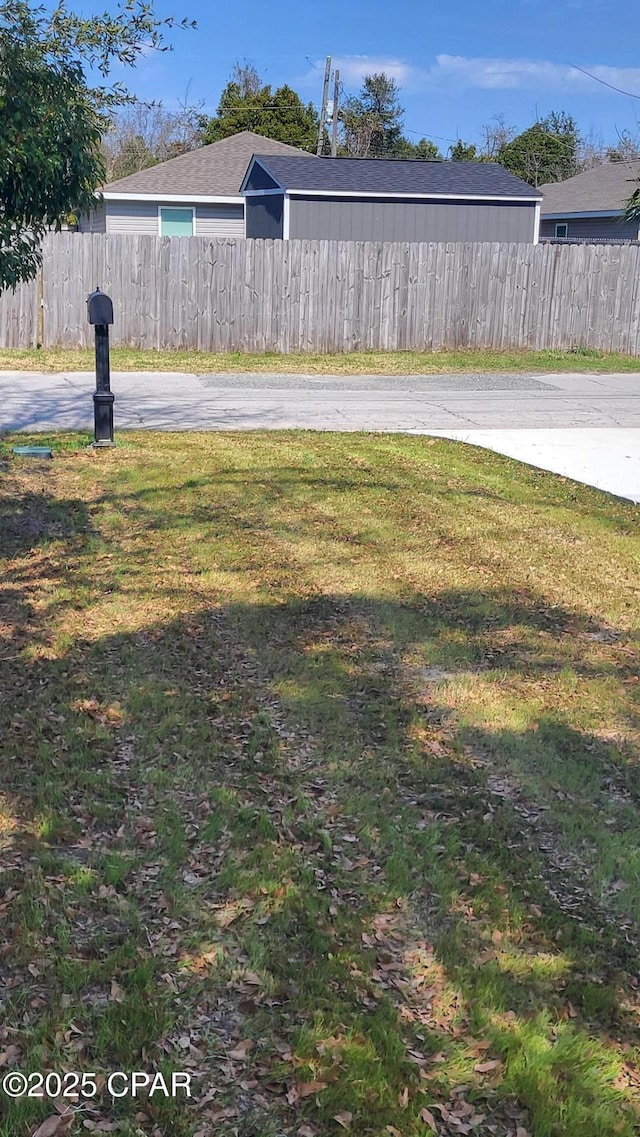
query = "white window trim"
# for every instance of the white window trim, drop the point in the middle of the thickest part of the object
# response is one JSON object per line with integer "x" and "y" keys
{"x": 558, "y": 225}
{"x": 286, "y": 217}
{"x": 171, "y": 198}
{"x": 185, "y": 207}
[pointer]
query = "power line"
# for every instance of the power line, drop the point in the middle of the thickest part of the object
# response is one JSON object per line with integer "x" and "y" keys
{"x": 604, "y": 82}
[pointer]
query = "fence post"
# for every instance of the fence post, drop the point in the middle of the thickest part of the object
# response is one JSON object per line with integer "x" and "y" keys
{"x": 39, "y": 321}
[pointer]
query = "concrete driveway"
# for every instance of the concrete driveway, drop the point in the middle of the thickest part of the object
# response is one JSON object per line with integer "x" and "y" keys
{"x": 585, "y": 427}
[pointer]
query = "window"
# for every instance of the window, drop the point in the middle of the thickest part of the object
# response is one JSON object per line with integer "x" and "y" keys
{"x": 562, "y": 229}
{"x": 176, "y": 222}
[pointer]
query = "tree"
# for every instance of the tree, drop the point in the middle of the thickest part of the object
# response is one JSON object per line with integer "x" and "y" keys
{"x": 130, "y": 154}
{"x": 425, "y": 150}
{"x": 248, "y": 104}
{"x": 52, "y": 118}
{"x": 372, "y": 121}
{"x": 142, "y": 135}
{"x": 464, "y": 152}
{"x": 546, "y": 152}
{"x": 497, "y": 135}
{"x": 627, "y": 148}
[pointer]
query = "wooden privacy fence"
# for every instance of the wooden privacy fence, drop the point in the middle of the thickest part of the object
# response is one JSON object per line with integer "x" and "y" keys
{"x": 239, "y": 295}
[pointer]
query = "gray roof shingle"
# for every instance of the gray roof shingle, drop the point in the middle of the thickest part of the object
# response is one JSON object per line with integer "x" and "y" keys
{"x": 391, "y": 176}
{"x": 217, "y": 169}
{"x": 600, "y": 189}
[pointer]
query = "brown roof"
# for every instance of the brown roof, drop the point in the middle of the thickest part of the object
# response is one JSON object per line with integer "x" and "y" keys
{"x": 216, "y": 170}
{"x": 600, "y": 189}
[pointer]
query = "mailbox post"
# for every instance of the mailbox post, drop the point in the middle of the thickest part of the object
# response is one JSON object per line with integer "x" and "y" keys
{"x": 100, "y": 314}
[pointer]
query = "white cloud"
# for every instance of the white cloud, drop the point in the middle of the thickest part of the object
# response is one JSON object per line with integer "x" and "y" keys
{"x": 481, "y": 73}
{"x": 527, "y": 74}
{"x": 353, "y": 69}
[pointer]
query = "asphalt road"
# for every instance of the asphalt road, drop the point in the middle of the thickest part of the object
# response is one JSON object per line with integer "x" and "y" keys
{"x": 584, "y": 426}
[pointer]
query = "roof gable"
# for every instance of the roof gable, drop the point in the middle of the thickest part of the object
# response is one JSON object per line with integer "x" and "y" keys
{"x": 387, "y": 176}
{"x": 216, "y": 170}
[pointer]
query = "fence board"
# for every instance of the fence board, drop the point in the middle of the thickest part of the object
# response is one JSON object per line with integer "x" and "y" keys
{"x": 316, "y": 296}
{"x": 19, "y": 315}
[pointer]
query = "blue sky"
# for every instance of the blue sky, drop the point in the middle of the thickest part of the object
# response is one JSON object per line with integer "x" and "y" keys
{"x": 458, "y": 63}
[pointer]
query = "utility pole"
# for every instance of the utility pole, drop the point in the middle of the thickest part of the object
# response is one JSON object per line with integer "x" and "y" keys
{"x": 325, "y": 99}
{"x": 334, "y": 114}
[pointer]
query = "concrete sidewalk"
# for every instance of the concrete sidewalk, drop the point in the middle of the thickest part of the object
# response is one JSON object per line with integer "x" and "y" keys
{"x": 607, "y": 458}
{"x": 583, "y": 426}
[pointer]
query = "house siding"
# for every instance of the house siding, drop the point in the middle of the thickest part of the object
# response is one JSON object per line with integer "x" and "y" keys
{"x": 94, "y": 222}
{"x": 214, "y": 220}
{"x": 260, "y": 179}
{"x": 368, "y": 219}
{"x": 132, "y": 217}
{"x": 220, "y": 220}
{"x": 596, "y": 228}
{"x": 265, "y": 216}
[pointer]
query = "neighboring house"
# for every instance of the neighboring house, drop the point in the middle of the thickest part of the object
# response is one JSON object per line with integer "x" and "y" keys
{"x": 589, "y": 206}
{"x": 380, "y": 199}
{"x": 195, "y": 193}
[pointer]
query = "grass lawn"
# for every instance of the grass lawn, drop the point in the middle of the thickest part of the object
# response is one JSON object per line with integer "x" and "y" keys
{"x": 319, "y": 781}
{"x": 353, "y": 363}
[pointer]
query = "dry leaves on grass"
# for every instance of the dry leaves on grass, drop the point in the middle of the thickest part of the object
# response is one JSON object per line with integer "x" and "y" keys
{"x": 429, "y": 1119}
{"x": 239, "y": 1053}
{"x": 55, "y": 1125}
{"x": 304, "y": 1090}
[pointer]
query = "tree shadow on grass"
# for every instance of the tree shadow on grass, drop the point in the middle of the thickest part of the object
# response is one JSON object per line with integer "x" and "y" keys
{"x": 264, "y": 789}
{"x": 452, "y": 472}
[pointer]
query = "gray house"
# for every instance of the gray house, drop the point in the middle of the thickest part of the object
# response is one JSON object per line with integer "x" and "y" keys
{"x": 589, "y": 206}
{"x": 196, "y": 193}
{"x": 363, "y": 199}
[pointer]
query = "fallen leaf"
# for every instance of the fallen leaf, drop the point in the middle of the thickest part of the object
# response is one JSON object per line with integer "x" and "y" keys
{"x": 239, "y": 1053}
{"x": 306, "y": 1089}
{"x": 344, "y": 1119}
{"x": 427, "y": 1116}
{"x": 484, "y": 1067}
{"x": 117, "y": 992}
{"x": 403, "y": 1098}
{"x": 57, "y": 1123}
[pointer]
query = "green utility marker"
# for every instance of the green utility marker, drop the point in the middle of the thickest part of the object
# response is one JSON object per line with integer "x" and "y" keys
{"x": 33, "y": 451}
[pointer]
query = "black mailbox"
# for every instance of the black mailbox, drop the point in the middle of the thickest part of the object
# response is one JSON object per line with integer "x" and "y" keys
{"x": 99, "y": 308}
{"x": 100, "y": 314}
